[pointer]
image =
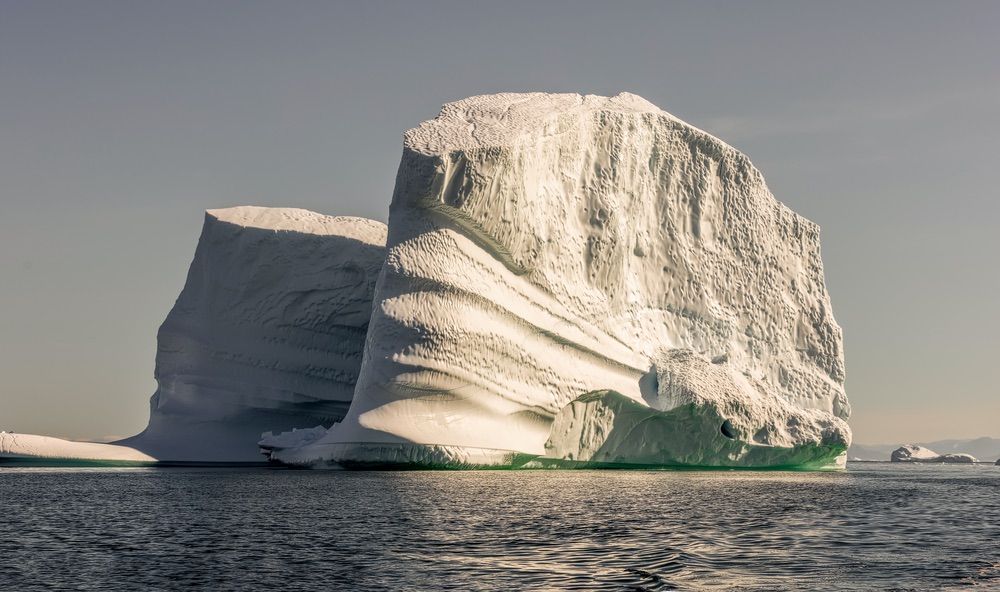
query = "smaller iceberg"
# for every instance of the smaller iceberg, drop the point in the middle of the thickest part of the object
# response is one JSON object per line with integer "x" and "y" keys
{"x": 919, "y": 454}
{"x": 267, "y": 334}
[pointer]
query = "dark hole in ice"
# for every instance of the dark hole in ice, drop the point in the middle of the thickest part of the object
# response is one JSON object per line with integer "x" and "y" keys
{"x": 727, "y": 430}
{"x": 649, "y": 386}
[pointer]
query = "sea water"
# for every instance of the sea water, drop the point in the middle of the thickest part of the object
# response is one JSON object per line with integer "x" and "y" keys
{"x": 875, "y": 526}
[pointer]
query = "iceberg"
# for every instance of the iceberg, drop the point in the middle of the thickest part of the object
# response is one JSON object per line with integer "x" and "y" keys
{"x": 584, "y": 279}
{"x": 267, "y": 334}
{"x": 565, "y": 281}
{"x": 919, "y": 454}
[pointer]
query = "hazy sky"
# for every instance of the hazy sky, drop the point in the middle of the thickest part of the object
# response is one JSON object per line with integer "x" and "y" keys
{"x": 120, "y": 122}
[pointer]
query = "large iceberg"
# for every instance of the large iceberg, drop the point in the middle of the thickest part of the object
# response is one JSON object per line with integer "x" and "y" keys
{"x": 267, "y": 334}
{"x": 568, "y": 281}
{"x": 36, "y": 448}
{"x": 583, "y": 279}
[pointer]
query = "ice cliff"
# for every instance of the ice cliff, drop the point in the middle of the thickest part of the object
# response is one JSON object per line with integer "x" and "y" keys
{"x": 267, "y": 334}
{"x": 590, "y": 280}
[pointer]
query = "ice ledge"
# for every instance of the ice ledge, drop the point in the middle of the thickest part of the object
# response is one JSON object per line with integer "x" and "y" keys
{"x": 303, "y": 221}
{"x": 34, "y": 447}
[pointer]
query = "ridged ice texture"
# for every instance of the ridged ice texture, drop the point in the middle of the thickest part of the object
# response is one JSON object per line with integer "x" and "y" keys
{"x": 267, "y": 333}
{"x": 545, "y": 246}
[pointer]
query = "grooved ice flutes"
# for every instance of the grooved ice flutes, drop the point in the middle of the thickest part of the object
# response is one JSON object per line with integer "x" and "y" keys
{"x": 543, "y": 246}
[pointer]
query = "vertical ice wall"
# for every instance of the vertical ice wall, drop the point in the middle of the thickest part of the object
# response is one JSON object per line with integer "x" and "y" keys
{"x": 267, "y": 333}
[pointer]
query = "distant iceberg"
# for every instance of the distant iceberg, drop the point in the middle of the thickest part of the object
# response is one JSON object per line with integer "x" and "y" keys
{"x": 919, "y": 454}
{"x": 982, "y": 447}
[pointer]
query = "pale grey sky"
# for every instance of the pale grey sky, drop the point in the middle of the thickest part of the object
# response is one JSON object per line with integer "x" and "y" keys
{"x": 121, "y": 122}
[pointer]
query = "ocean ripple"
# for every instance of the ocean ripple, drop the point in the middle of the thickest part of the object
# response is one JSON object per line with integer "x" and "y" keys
{"x": 875, "y": 526}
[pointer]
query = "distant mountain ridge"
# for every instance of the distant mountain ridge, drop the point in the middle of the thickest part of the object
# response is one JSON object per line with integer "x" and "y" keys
{"x": 985, "y": 449}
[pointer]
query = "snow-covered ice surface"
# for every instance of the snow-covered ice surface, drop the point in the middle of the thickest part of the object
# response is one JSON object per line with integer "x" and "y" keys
{"x": 916, "y": 453}
{"x": 569, "y": 281}
{"x": 267, "y": 334}
{"x": 546, "y": 253}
